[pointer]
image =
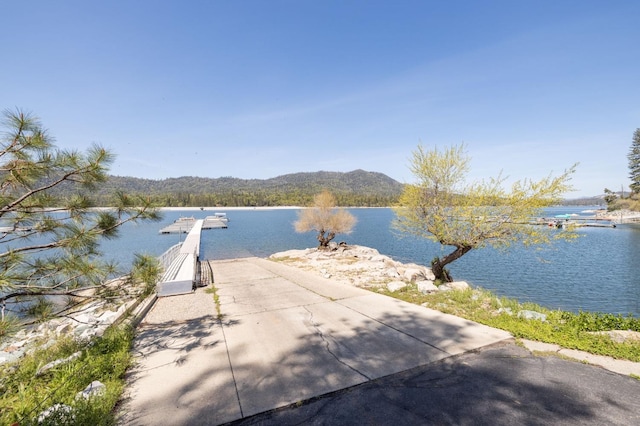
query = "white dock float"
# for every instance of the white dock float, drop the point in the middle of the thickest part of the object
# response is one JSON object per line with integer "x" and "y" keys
{"x": 181, "y": 274}
{"x": 184, "y": 224}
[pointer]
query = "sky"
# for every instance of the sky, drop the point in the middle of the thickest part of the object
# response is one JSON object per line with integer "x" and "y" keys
{"x": 256, "y": 89}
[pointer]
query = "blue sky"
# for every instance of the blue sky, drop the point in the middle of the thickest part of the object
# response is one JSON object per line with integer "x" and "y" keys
{"x": 258, "y": 89}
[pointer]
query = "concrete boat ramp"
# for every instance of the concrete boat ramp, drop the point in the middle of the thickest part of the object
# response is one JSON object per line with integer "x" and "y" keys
{"x": 278, "y": 336}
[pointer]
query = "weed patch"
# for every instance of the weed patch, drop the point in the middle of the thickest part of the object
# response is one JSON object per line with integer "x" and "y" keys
{"x": 26, "y": 392}
{"x": 570, "y": 330}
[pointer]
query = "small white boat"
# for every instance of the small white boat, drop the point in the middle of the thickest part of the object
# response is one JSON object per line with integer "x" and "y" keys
{"x": 221, "y": 217}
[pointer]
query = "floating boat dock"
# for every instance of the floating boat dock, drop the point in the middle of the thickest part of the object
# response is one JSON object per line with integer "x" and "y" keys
{"x": 184, "y": 225}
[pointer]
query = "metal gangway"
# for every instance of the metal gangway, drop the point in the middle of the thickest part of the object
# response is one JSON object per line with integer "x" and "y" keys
{"x": 180, "y": 264}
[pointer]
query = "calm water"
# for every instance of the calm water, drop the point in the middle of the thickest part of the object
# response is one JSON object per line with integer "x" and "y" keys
{"x": 598, "y": 272}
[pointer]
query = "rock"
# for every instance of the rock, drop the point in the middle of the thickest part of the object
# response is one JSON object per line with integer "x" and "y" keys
{"x": 458, "y": 285}
{"x": 64, "y": 328}
{"x": 426, "y": 286}
{"x": 86, "y": 318}
{"x": 19, "y": 344}
{"x": 361, "y": 252}
{"x": 413, "y": 274}
{"x": 95, "y": 388}
{"x": 396, "y": 285}
{"x": 428, "y": 274}
{"x": 392, "y": 273}
{"x": 532, "y": 315}
{"x": 107, "y": 317}
{"x": 57, "y": 362}
{"x": 621, "y": 336}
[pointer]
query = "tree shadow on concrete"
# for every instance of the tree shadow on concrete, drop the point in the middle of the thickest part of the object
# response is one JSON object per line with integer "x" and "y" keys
{"x": 175, "y": 362}
{"x": 500, "y": 384}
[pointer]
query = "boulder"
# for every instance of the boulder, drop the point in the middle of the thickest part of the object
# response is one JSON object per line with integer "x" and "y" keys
{"x": 64, "y": 328}
{"x": 380, "y": 258}
{"x": 57, "y": 362}
{"x": 426, "y": 286}
{"x": 428, "y": 274}
{"x": 95, "y": 388}
{"x": 392, "y": 273}
{"x": 621, "y": 336}
{"x": 458, "y": 285}
{"x": 532, "y": 315}
{"x": 396, "y": 285}
{"x": 413, "y": 274}
{"x": 108, "y": 317}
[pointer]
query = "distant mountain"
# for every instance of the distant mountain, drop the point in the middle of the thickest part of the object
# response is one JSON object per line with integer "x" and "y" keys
{"x": 355, "y": 188}
{"x": 586, "y": 201}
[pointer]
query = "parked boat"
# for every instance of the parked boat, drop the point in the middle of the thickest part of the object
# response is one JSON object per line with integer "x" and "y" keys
{"x": 221, "y": 216}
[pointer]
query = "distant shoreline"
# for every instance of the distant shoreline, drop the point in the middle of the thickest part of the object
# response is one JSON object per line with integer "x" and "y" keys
{"x": 216, "y": 209}
{"x": 221, "y": 209}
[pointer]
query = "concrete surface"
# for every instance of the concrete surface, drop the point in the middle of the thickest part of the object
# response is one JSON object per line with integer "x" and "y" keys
{"x": 502, "y": 384}
{"x": 295, "y": 348}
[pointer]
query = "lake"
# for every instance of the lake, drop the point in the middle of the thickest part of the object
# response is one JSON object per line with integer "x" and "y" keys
{"x": 596, "y": 272}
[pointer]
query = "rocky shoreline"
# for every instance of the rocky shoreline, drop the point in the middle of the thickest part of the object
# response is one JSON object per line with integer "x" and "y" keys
{"x": 88, "y": 320}
{"x": 364, "y": 267}
{"x": 617, "y": 215}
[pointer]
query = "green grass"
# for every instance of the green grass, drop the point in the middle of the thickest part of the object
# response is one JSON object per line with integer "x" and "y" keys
{"x": 24, "y": 394}
{"x": 216, "y": 299}
{"x": 569, "y": 330}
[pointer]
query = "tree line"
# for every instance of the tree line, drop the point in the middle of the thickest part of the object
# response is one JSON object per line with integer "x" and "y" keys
{"x": 358, "y": 188}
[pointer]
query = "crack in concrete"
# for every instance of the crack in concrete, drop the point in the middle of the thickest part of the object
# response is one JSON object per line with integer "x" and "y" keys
{"x": 398, "y": 330}
{"x": 233, "y": 376}
{"x": 327, "y": 344}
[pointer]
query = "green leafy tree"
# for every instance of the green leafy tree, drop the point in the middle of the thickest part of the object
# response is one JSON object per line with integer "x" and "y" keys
{"x": 442, "y": 207}
{"x": 49, "y": 245}
{"x": 634, "y": 162}
{"x": 325, "y": 219}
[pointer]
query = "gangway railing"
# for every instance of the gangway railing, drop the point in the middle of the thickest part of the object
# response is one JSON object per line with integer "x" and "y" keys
{"x": 181, "y": 265}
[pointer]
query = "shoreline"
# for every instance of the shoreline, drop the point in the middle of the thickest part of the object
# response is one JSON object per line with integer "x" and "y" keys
{"x": 220, "y": 209}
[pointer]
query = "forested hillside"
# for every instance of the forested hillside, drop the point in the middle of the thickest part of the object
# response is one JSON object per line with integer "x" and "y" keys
{"x": 356, "y": 188}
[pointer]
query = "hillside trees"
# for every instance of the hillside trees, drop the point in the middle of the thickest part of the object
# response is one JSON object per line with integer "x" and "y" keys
{"x": 356, "y": 188}
{"x": 49, "y": 244}
{"x": 325, "y": 219}
{"x": 442, "y": 207}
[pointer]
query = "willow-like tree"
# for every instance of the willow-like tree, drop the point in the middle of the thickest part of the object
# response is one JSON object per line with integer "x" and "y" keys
{"x": 325, "y": 219}
{"x": 442, "y": 207}
{"x": 49, "y": 244}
